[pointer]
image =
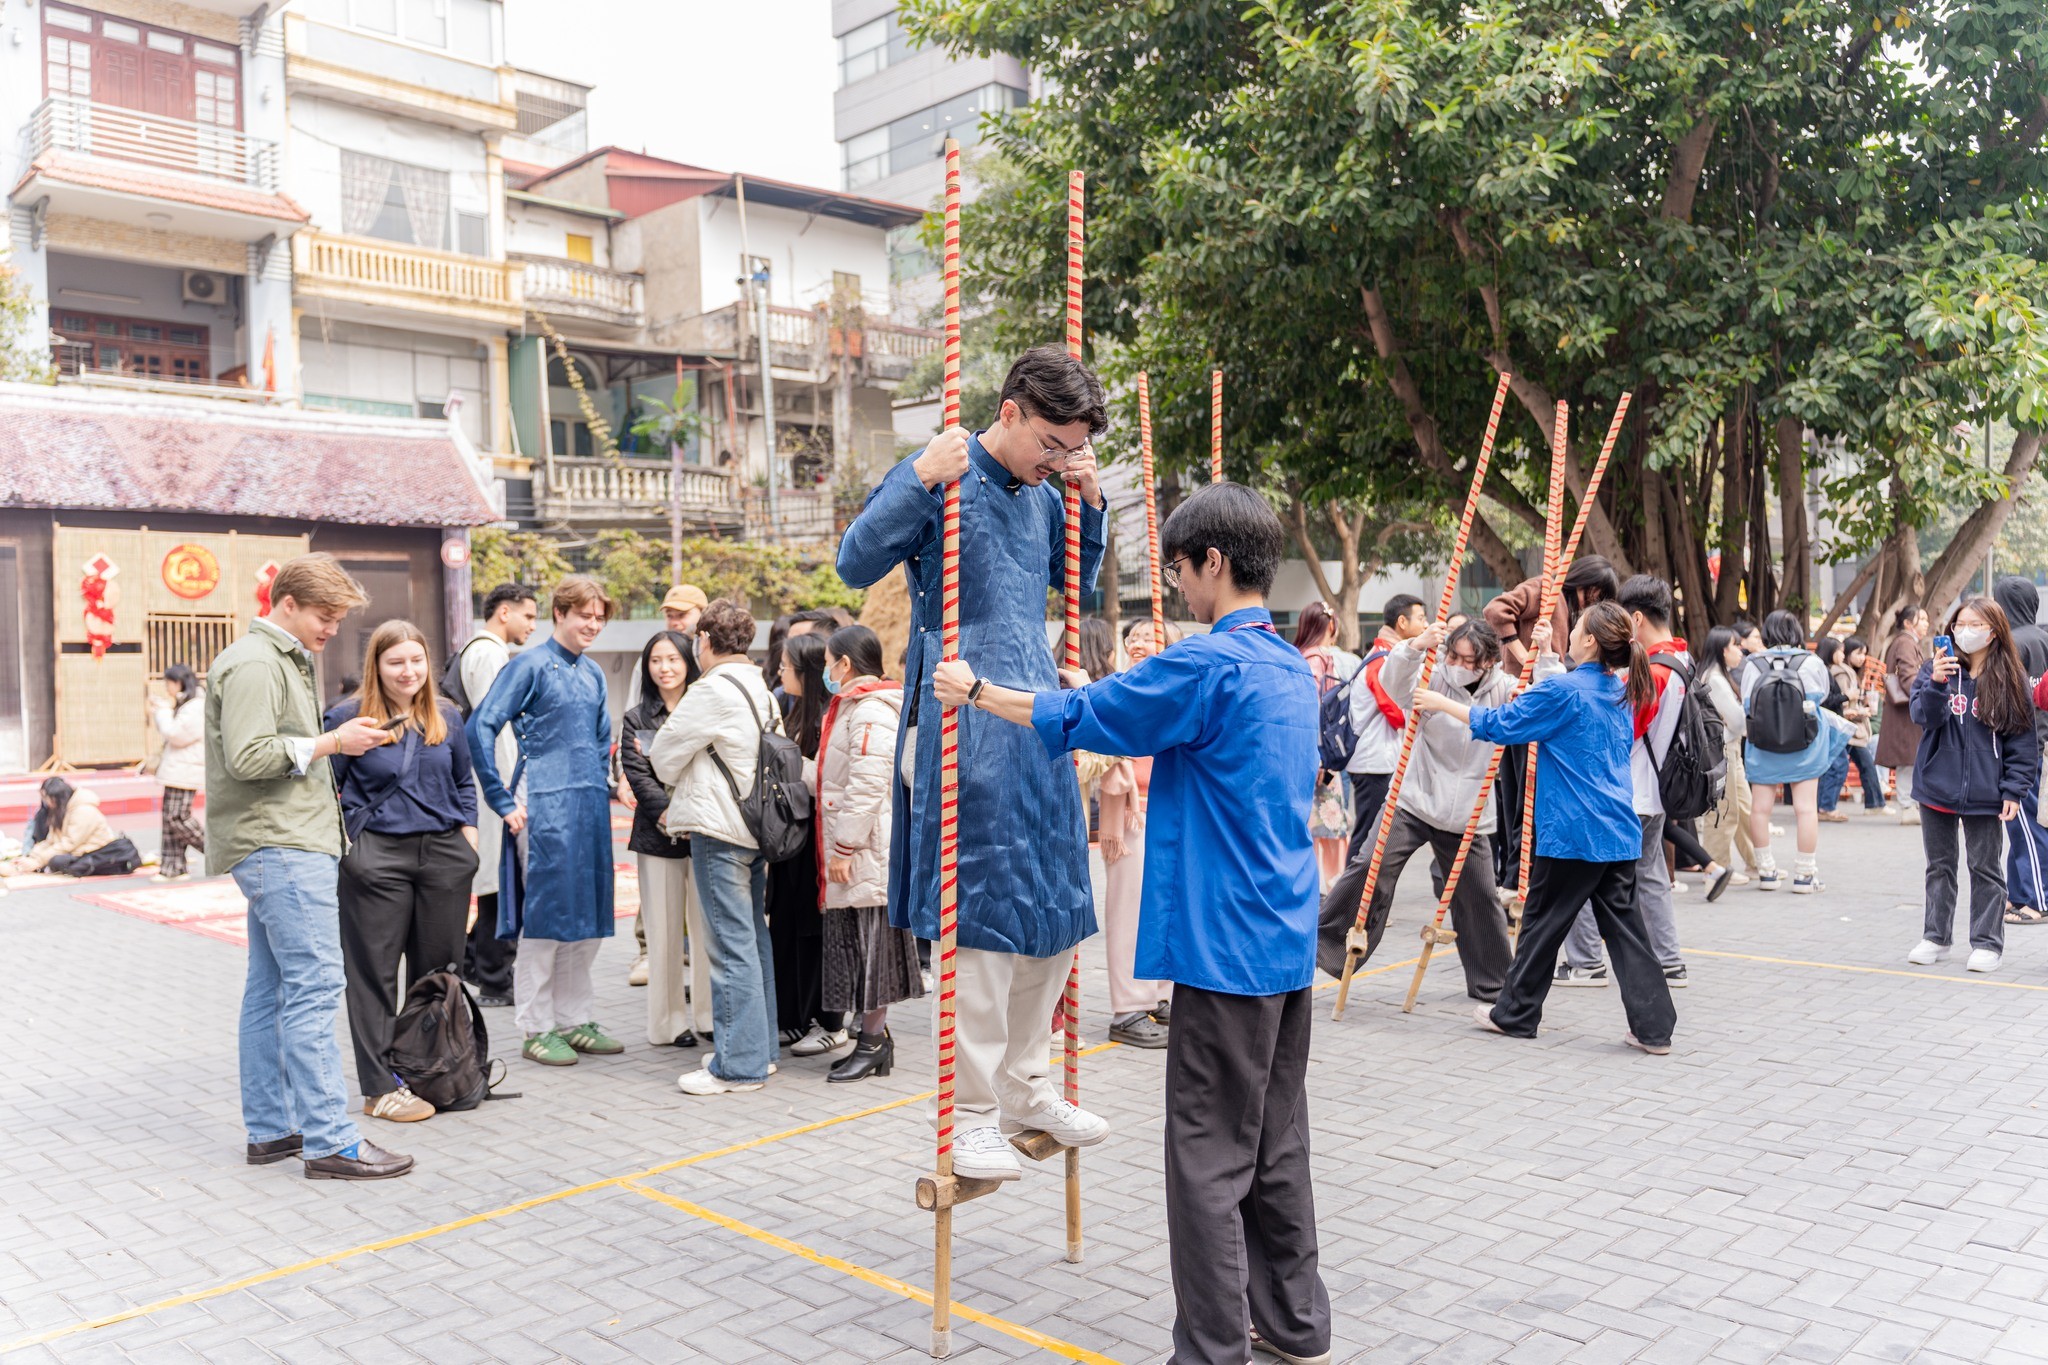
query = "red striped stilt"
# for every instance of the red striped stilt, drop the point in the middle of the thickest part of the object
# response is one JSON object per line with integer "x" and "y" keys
{"x": 1152, "y": 575}
{"x": 1355, "y": 943}
{"x": 1434, "y": 932}
{"x": 1070, "y": 1001}
{"x": 1216, "y": 425}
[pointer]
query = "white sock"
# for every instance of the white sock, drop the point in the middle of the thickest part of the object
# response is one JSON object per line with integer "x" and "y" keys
{"x": 1765, "y": 862}
{"x": 1806, "y": 865}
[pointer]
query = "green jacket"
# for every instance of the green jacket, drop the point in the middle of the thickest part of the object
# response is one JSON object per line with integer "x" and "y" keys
{"x": 259, "y": 692}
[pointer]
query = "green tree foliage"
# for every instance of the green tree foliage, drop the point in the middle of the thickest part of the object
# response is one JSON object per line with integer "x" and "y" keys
{"x": 24, "y": 354}
{"x": 634, "y": 569}
{"x": 501, "y": 556}
{"x": 1756, "y": 216}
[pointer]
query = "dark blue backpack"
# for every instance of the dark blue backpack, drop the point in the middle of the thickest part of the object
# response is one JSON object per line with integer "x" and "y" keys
{"x": 1335, "y": 738}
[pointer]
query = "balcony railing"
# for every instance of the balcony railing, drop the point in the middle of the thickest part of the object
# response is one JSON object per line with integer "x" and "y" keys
{"x": 166, "y": 144}
{"x": 558, "y": 286}
{"x": 583, "y": 486}
{"x": 436, "y": 281}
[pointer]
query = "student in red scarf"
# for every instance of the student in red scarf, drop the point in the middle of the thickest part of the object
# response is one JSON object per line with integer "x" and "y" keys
{"x": 869, "y": 966}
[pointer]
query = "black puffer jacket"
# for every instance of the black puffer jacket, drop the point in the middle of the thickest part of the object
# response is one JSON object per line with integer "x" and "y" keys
{"x": 651, "y": 797}
{"x": 2022, "y": 603}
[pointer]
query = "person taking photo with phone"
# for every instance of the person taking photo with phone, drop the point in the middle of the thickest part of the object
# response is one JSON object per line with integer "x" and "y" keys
{"x": 1977, "y": 765}
{"x": 409, "y": 809}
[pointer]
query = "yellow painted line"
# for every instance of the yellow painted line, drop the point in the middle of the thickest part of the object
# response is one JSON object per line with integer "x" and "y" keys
{"x": 422, "y": 1234}
{"x": 1973, "y": 980}
{"x": 1066, "y": 1350}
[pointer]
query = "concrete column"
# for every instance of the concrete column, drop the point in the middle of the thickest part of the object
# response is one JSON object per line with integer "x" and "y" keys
{"x": 499, "y": 429}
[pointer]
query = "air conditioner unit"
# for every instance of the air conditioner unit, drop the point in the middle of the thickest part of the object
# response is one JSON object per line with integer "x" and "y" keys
{"x": 206, "y": 286}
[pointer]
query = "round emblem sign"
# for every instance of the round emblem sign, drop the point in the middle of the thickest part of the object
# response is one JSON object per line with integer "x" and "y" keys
{"x": 454, "y": 553}
{"x": 191, "y": 571}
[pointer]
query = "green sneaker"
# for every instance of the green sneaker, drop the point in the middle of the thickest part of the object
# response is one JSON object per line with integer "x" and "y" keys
{"x": 549, "y": 1049}
{"x": 590, "y": 1038}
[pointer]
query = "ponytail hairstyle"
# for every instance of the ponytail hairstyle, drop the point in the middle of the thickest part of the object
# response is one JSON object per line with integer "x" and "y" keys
{"x": 1316, "y": 627}
{"x": 1616, "y": 647}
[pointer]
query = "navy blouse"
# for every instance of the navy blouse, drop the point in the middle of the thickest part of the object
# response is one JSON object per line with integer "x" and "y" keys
{"x": 410, "y": 787}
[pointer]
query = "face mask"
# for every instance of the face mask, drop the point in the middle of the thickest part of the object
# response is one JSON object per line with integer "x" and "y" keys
{"x": 1970, "y": 639}
{"x": 832, "y": 684}
{"x": 1462, "y": 676}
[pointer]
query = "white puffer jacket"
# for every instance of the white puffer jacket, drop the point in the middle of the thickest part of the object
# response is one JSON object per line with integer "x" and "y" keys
{"x": 856, "y": 784}
{"x": 184, "y": 730}
{"x": 714, "y": 713}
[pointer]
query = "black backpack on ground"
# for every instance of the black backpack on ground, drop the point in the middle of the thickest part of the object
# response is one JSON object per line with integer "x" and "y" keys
{"x": 1781, "y": 719}
{"x": 440, "y": 1048}
{"x": 1335, "y": 739}
{"x": 777, "y": 811}
{"x": 1694, "y": 774}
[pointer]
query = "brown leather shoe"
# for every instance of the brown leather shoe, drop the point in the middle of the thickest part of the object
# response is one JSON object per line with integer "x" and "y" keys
{"x": 277, "y": 1149}
{"x": 370, "y": 1162}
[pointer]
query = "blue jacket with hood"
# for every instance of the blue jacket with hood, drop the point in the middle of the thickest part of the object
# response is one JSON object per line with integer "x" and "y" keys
{"x": 1964, "y": 766}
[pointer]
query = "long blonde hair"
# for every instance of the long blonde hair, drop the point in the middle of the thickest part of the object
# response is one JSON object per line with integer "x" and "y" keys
{"x": 424, "y": 714}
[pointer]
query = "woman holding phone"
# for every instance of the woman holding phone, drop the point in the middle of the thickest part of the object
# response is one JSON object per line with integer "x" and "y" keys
{"x": 1977, "y": 762}
{"x": 181, "y": 720}
{"x": 409, "y": 809}
{"x": 676, "y": 1013}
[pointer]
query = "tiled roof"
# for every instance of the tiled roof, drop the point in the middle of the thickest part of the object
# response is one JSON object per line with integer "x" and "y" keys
{"x": 70, "y": 447}
{"x": 128, "y": 178}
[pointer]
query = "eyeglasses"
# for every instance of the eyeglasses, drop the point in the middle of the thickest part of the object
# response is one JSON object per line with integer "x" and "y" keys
{"x": 1052, "y": 454}
{"x": 1171, "y": 573}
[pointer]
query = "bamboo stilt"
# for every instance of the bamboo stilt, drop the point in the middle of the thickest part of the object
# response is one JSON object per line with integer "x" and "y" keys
{"x": 1070, "y": 1002}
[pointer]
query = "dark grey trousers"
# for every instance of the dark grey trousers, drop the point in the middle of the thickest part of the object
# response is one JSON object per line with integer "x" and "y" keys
{"x": 1983, "y": 847}
{"x": 402, "y": 896}
{"x": 1481, "y": 925}
{"x": 1240, "y": 1209}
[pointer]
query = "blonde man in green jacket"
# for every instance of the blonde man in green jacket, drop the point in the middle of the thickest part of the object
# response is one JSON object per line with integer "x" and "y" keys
{"x": 273, "y": 822}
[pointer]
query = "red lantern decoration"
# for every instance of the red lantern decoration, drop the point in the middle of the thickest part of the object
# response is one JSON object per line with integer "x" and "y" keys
{"x": 265, "y": 576}
{"x": 100, "y": 597}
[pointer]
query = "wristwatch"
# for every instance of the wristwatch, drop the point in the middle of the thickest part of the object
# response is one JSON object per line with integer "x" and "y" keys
{"x": 974, "y": 692}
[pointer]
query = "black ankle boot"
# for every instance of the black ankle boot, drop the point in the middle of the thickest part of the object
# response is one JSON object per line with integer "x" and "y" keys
{"x": 870, "y": 1057}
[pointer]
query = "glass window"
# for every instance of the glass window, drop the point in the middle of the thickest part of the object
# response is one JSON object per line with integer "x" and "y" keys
{"x": 67, "y": 65}
{"x": 394, "y": 201}
{"x": 378, "y": 15}
{"x": 207, "y": 52}
{"x": 426, "y": 21}
{"x": 867, "y": 157}
{"x": 65, "y": 18}
{"x": 921, "y": 137}
{"x": 213, "y": 98}
{"x": 470, "y": 238}
{"x": 864, "y": 51}
{"x": 165, "y": 42}
{"x": 120, "y": 33}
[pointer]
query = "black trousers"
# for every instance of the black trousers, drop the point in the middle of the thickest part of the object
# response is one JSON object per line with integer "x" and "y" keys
{"x": 487, "y": 960}
{"x": 402, "y": 896}
{"x": 1481, "y": 926}
{"x": 1368, "y": 794}
{"x": 1240, "y": 1208}
{"x": 1557, "y": 888}
{"x": 796, "y": 938}
{"x": 1508, "y": 790}
{"x": 116, "y": 859}
{"x": 1681, "y": 836}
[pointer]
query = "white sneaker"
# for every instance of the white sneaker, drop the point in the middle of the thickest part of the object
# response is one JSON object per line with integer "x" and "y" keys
{"x": 1928, "y": 953}
{"x": 638, "y": 976}
{"x": 818, "y": 1042}
{"x": 1067, "y": 1123}
{"x": 1679, "y": 888}
{"x": 702, "y": 1082}
{"x": 1984, "y": 960}
{"x": 1910, "y": 816}
{"x": 985, "y": 1154}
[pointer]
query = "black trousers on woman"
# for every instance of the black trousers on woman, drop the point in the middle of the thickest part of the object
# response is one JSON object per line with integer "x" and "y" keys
{"x": 1557, "y": 888}
{"x": 796, "y": 935}
{"x": 402, "y": 896}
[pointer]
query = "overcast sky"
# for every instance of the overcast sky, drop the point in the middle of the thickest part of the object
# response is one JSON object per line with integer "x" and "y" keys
{"x": 734, "y": 87}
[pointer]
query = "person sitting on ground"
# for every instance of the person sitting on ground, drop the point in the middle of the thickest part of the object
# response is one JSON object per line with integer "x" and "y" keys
{"x": 1978, "y": 765}
{"x": 1589, "y": 839}
{"x": 1444, "y": 774}
{"x": 70, "y": 837}
{"x": 181, "y": 720}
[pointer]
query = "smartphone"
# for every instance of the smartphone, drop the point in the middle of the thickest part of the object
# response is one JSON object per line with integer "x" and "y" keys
{"x": 1944, "y": 644}
{"x": 394, "y": 725}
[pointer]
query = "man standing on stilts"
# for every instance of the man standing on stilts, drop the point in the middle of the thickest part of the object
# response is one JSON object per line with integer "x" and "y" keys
{"x": 1229, "y": 917}
{"x": 1024, "y": 893}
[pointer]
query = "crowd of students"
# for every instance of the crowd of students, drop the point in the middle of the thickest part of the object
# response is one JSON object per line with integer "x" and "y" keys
{"x": 1755, "y": 715}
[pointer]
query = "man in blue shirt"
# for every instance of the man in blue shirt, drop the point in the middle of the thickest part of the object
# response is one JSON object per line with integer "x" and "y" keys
{"x": 1229, "y": 916}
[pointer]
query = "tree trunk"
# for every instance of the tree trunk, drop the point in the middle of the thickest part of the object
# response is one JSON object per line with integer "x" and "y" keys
{"x": 1351, "y": 577}
{"x": 1734, "y": 497}
{"x": 1763, "y": 577}
{"x": 1899, "y": 579}
{"x": 1953, "y": 567}
{"x": 1797, "y": 552}
{"x": 1112, "y": 581}
{"x": 1656, "y": 552}
{"x": 1689, "y": 565}
{"x": 1847, "y": 596}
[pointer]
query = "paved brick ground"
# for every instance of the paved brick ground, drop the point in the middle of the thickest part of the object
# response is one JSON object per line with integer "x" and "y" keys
{"x": 1834, "y": 1165}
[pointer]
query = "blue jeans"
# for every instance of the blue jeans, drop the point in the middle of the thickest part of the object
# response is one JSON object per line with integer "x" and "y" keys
{"x": 291, "y": 1061}
{"x": 731, "y": 887}
{"x": 1831, "y": 781}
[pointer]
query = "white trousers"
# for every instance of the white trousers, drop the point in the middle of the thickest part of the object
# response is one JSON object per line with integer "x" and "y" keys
{"x": 551, "y": 984}
{"x": 669, "y": 912}
{"x": 1002, "y": 1037}
{"x": 1123, "y": 891}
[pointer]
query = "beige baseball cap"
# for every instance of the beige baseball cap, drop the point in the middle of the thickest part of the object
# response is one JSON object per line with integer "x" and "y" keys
{"x": 684, "y": 596}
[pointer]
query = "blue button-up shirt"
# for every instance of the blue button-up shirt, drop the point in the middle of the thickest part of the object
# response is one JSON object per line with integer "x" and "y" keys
{"x": 1230, "y": 874}
{"x": 1585, "y": 799}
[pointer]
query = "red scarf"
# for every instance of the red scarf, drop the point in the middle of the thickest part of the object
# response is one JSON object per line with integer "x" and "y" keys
{"x": 853, "y": 691}
{"x": 1388, "y": 711}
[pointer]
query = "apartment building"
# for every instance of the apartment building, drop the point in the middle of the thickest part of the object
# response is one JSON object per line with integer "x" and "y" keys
{"x": 895, "y": 107}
